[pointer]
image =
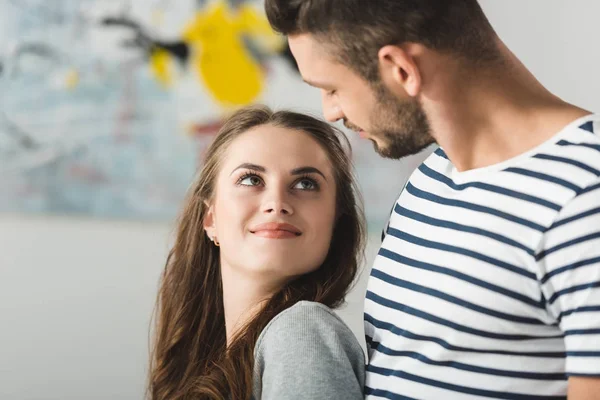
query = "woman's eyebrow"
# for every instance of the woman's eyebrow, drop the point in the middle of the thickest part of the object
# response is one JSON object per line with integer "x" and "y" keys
{"x": 295, "y": 171}
{"x": 251, "y": 166}
{"x": 307, "y": 170}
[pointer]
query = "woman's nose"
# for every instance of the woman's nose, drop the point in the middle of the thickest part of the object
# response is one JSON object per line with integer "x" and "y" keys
{"x": 276, "y": 203}
{"x": 273, "y": 207}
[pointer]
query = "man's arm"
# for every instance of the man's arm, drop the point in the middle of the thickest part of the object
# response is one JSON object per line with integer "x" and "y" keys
{"x": 569, "y": 260}
{"x": 581, "y": 388}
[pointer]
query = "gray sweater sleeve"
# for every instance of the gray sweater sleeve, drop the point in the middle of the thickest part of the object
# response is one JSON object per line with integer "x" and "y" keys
{"x": 307, "y": 352}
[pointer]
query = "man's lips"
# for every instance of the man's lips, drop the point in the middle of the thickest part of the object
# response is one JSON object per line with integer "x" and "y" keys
{"x": 276, "y": 230}
{"x": 356, "y": 129}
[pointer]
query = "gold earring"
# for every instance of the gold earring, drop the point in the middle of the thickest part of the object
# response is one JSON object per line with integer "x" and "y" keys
{"x": 216, "y": 241}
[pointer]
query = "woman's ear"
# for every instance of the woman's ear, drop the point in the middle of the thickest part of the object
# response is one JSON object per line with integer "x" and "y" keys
{"x": 209, "y": 221}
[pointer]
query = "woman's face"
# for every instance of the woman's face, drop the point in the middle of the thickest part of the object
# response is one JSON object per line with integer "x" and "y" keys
{"x": 275, "y": 204}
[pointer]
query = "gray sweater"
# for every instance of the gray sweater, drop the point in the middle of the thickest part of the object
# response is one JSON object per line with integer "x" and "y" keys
{"x": 308, "y": 353}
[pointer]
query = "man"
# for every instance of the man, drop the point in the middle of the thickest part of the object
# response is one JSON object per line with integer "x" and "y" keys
{"x": 487, "y": 284}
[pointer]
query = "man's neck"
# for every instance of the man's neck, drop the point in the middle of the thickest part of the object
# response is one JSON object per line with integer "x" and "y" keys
{"x": 481, "y": 119}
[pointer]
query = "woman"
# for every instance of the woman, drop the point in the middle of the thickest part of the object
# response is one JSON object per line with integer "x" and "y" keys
{"x": 269, "y": 241}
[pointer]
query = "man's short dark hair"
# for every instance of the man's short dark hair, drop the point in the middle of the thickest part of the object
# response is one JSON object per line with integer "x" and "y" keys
{"x": 355, "y": 30}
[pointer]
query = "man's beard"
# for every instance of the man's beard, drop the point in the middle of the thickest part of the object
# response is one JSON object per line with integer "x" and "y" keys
{"x": 402, "y": 126}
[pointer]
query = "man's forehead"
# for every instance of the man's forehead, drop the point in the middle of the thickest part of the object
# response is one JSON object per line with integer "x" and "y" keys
{"x": 314, "y": 63}
{"x": 305, "y": 44}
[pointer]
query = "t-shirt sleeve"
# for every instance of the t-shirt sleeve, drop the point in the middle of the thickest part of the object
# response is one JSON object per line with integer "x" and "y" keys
{"x": 308, "y": 353}
{"x": 569, "y": 259}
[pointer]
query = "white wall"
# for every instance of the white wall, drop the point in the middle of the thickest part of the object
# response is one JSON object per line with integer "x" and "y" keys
{"x": 558, "y": 40}
{"x": 76, "y": 295}
{"x": 75, "y": 302}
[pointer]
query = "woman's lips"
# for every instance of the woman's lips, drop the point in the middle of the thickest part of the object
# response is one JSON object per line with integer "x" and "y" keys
{"x": 276, "y": 230}
{"x": 275, "y": 234}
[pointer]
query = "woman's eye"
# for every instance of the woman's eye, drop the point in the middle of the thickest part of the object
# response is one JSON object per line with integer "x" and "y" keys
{"x": 306, "y": 184}
{"x": 251, "y": 180}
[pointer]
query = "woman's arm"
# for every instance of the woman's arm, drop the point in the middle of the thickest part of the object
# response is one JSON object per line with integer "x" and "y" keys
{"x": 306, "y": 353}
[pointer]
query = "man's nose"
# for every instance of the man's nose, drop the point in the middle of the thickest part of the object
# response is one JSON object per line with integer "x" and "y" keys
{"x": 331, "y": 110}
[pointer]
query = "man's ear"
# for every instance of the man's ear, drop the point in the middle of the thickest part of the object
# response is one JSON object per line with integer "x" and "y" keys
{"x": 399, "y": 70}
{"x": 209, "y": 221}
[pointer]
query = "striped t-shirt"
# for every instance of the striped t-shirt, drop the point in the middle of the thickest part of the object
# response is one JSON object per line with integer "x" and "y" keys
{"x": 487, "y": 284}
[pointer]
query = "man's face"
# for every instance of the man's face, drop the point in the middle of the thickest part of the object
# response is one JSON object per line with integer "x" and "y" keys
{"x": 398, "y": 127}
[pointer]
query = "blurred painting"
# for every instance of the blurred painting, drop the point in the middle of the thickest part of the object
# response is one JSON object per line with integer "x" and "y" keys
{"x": 106, "y": 106}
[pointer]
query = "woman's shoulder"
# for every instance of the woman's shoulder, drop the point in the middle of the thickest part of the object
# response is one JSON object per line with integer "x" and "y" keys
{"x": 307, "y": 322}
{"x": 309, "y": 312}
{"x": 308, "y": 352}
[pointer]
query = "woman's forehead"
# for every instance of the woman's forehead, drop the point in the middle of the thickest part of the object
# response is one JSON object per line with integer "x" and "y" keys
{"x": 277, "y": 147}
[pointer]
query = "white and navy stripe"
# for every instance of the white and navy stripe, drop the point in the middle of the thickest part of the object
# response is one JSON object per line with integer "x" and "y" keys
{"x": 487, "y": 283}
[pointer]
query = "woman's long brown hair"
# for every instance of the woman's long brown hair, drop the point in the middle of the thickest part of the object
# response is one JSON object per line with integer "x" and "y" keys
{"x": 190, "y": 358}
